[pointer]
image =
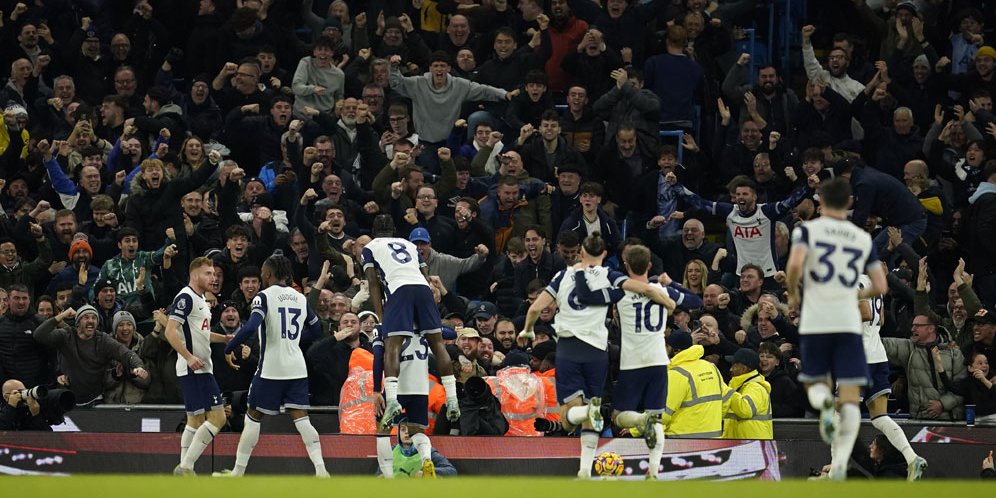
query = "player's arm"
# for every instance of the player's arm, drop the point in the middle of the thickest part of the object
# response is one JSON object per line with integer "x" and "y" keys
{"x": 177, "y": 317}
{"x": 544, "y": 299}
{"x": 376, "y": 291}
{"x": 656, "y": 294}
{"x": 865, "y": 307}
{"x": 586, "y": 296}
{"x": 682, "y": 296}
{"x": 312, "y": 325}
{"x": 378, "y": 359}
{"x": 795, "y": 264}
{"x": 252, "y": 324}
{"x": 874, "y": 270}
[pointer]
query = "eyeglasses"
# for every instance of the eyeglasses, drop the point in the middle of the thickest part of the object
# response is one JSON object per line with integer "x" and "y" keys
{"x": 248, "y": 75}
{"x": 915, "y": 325}
{"x": 426, "y": 197}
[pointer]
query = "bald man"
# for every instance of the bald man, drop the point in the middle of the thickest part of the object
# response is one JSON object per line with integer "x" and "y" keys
{"x": 17, "y": 414}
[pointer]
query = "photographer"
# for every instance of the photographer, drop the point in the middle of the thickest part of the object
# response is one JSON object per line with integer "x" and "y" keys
{"x": 20, "y": 413}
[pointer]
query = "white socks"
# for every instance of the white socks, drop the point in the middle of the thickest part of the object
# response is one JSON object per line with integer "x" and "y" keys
{"x": 422, "y": 445}
{"x": 843, "y": 441}
{"x": 185, "y": 438}
{"x": 200, "y": 441}
{"x": 628, "y": 419}
{"x": 818, "y": 394}
{"x": 385, "y": 456}
{"x": 577, "y": 415}
{"x": 449, "y": 385}
{"x": 896, "y": 436}
{"x": 589, "y": 443}
{"x": 656, "y": 452}
{"x": 247, "y": 442}
{"x": 312, "y": 443}
{"x": 390, "y": 388}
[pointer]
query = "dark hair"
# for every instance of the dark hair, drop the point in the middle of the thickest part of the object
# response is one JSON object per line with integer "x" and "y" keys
{"x": 19, "y": 288}
{"x": 249, "y": 271}
{"x": 743, "y": 182}
{"x": 472, "y": 204}
{"x": 989, "y": 169}
{"x": 90, "y": 151}
{"x": 592, "y": 188}
{"x": 440, "y": 56}
{"x": 281, "y": 98}
{"x": 280, "y": 266}
{"x": 752, "y": 266}
{"x": 594, "y": 244}
{"x": 550, "y": 115}
{"x": 126, "y": 232}
{"x": 243, "y": 18}
{"x": 770, "y": 348}
{"x": 812, "y": 154}
{"x": 505, "y": 30}
{"x": 568, "y": 238}
{"x": 237, "y": 231}
{"x": 536, "y": 228}
{"x": 324, "y": 41}
{"x": 634, "y": 73}
{"x": 508, "y": 180}
{"x": 536, "y": 76}
{"x": 668, "y": 151}
{"x": 836, "y": 193}
{"x": 158, "y": 94}
{"x": 534, "y": 285}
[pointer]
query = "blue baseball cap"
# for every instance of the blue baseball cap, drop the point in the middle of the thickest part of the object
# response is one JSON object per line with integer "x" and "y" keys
{"x": 419, "y": 235}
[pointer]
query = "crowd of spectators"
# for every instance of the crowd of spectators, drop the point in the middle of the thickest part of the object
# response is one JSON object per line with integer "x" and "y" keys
{"x": 141, "y": 134}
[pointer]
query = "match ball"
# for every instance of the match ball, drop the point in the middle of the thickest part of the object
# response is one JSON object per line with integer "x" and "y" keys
{"x": 609, "y": 464}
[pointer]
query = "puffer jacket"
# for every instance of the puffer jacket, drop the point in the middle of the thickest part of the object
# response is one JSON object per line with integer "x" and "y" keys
{"x": 125, "y": 389}
{"x": 749, "y": 415}
{"x": 697, "y": 397}
{"x": 922, "y": 380}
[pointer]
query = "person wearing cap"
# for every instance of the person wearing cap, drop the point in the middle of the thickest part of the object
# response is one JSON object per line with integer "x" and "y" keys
{"x": 465, "y": 356}
{"x": 696, "y": 393}
{"x": 984, "y": 76}
{"x": 485, "y": 316}
{"x": 749, "y": 415}
{"x": 983, "y": 324}
{"x": 447, "y": 268}
{"x": 318, "y": 81}
{"x": 118, "y": 387}
{"x": 85, "y": 353}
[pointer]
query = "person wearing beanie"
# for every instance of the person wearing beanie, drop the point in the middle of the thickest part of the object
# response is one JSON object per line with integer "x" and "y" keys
{"x": 984, "y": 76}
{"x": 398, "y": 36}
{"x": 120, "y": 388}
{"x": 85, "y": 353}
{"x": 80, "y": 255}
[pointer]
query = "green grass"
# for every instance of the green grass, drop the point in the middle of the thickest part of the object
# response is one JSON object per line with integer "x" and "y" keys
{"x": 363, "y": 487}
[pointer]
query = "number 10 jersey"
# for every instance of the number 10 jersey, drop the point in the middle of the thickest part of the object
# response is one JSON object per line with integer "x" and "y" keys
{"x": 839, "y": 252}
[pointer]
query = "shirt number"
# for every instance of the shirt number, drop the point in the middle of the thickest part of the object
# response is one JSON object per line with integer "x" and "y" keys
{"x": 399, "y": 253}
{"x": 421, "y": 352}
{"x": 289, "y": 328}
{"x": 645, "y": 317}
{"x": 849, "y": 276}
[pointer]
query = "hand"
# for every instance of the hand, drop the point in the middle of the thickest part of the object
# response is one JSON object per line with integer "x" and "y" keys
{"x": 773, "y": 139}
{"x": 942, "y": 63}
{"x": 987, "y": 463}
{"x": 883, "y": 70}
{"x": 807, "y": 33}
{"x": 364, "y": 53}
{"x": 36, "y": 230}
{"x": 657, "y": 221}
{"x": 214, "y": 157}
{"x": 543, "y": 21}
{"x": 901, "y": 31}
{"x": 724, "y": 112}
{"x": 309, "y": 195}
{"x": 400, "y": 159}
{"x": 170, "y": 252}
{"x": 406, "y": 23}
{"x": 295, "y": 126}
{"x": 162, "y": 149}
{"x": 794, "y": 300}
{"x": 751, "y": 102}
{"x": 627, "y": 54}
{"x": 744, "y": 59}
{"x": 790, "y": 174}
{"x": 938, "y": 115}
{"x": 785, "y": 347}
{"x": 395, "y": 60}
{"x": 230, "y": 360}
{"x": 160, "y": 317}
{"x": 482, "y": 250}
{"x": 921, "y": 276}
{"x": 188, "y": 224}
{"x": 671, "y": 178}
{"x": 140, "y": 372}
{"x": 917, "y": 24}
{"x": 620, "y": 76}
{"x": 371, "y": 207}
{"x": 361, "y": 22}
{"x": 494, "y": 138}
{"x": 895, "y": 237}
{"x": 396, "y": 190}
{"x": 311, "y": 111}
{"x": 688, "y": 142}
{"x": 525, "y": 132}
{"x": 56, "y": 267}
{"x": 237, "y": 174}
{"x": 19, "y": 9}
{"x": 14, "y": 398}
{"x": 780, "y": 277}
{"x": 250, "y": 109}
{"x": 512, "y": 94}
{"x": 934, "y": 408}
{"x": 740, "y": 336}
{"x": 723, "y": 300}
{"x": 676, "y": 215}
{"x": 195, "y": 363}
{"x": 411, "y": 216}
{"x": 444, "y": 154}
{"x": 83, "y": 275}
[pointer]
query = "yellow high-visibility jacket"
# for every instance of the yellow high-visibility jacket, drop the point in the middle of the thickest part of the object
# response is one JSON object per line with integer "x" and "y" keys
{"x": 749, "y": 415}
{"x": 696, "y": 397}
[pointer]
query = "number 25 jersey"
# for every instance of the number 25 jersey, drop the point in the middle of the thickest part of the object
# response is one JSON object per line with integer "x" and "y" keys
{"x": 839, "y": 252}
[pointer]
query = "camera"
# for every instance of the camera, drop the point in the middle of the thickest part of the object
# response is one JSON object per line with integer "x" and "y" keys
{"x": 36, "y": 393}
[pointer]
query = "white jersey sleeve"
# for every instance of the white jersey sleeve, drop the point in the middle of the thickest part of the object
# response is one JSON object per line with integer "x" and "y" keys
{"x": 192, "y": 314}
{"x": 285, "y": 317}
{"x": 397, "y": 262}
{"x": 874, "y": 349}
{"x": 838, "y": 253}
{"x": 584, "y": 322}
{"x": 642, "y": 323}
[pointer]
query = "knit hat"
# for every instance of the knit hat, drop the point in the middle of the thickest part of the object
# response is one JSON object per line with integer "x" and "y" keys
{"x": 103, "y": 284}
{"x": 514, "y": 358}
{"x": 79, "y": 242}
{"x": 393, "y": 23}
{"x": 921, "y": 60}
{"x": 680, "y": 340}
{"x": 122, "y": 316}
{"x": 333, "y": 22}
{"x": 86, "y": 308}
{"x": 542, "y": 349}
{"x": 986, "y": 51}
{"x": 746, "y": 357}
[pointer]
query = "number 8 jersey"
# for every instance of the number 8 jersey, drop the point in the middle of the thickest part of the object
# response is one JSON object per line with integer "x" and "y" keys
{"x": 286, "y": 316}
{"x": 838, "y": 253}
{"x": 397, "y": 262}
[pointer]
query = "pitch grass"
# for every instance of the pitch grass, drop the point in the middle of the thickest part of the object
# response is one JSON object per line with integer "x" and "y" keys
{"x": 363, "y": 487}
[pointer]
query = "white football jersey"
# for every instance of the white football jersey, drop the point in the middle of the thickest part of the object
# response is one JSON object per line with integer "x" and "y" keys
{"x": 413, "y": 374}
{"x": 642, "y": 322}
{"x": 397, "y": 261}
{"x": 874, "y": 349}
{"x": 285, "y": 316}
{"x": 839, "y": 252}
{"x": 194, "y": 316}
{"x": 574, "y": 319}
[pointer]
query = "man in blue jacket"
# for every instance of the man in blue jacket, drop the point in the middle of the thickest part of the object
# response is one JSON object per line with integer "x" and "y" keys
{"x": 879, "y": 194}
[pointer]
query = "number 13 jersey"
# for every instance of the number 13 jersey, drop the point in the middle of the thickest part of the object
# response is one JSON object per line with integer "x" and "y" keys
{"x": 397, "y": 262}
{"x": 286, "y": 316}
{"x": 839, "y": 252}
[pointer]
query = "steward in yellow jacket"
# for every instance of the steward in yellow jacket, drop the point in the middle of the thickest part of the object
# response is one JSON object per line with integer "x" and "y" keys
{"x": 697, "y": 397}
{"x": 749, "y": 415}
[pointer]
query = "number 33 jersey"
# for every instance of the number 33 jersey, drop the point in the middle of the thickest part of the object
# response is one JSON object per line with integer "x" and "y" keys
{"x": 838, "y": 253}
{"x": 286, "y": 316}
{"x": 397, "y": 262}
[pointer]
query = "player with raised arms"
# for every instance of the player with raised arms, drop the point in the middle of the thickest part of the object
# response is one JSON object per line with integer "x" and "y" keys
{"x": 396, "y": 273}
{"x": 281, "y": 316}
{"x": 582, "y": 357}
{"x": 188, "y": 331}
{"x": 828, "y": 256}
{"x": 641, "y": 389}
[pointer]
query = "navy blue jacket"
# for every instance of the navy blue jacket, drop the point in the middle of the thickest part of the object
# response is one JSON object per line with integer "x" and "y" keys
{"x": 879, "y": 194}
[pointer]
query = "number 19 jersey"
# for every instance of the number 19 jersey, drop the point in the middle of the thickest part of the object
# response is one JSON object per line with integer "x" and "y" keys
{"x": 285, "y": 316}
{"x": 397, "y": 262}
{"x": 839, "y": 252}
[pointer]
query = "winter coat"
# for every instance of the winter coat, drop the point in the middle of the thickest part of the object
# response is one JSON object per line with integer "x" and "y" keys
{"x": 697, "y": 397}
{"x": 749, "y": 415}
{"x": 21, "y": 357}
{"x": 922, "y": 380}
{"x": 124, "y": 388}
{"x": 160, "y": 360}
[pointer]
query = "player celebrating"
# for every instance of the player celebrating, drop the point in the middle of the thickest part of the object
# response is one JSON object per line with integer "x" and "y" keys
{"x": 394, "y": 268}
{"x": 828, "y": 255}
{"x": 877, "y": 395}
{"x": 641, "y": 389}
{"x": 201, "y": 395}
{"x": 582, "y": 359}
{"x": 280, "y": 314}
{"x": 413, "y": 396}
